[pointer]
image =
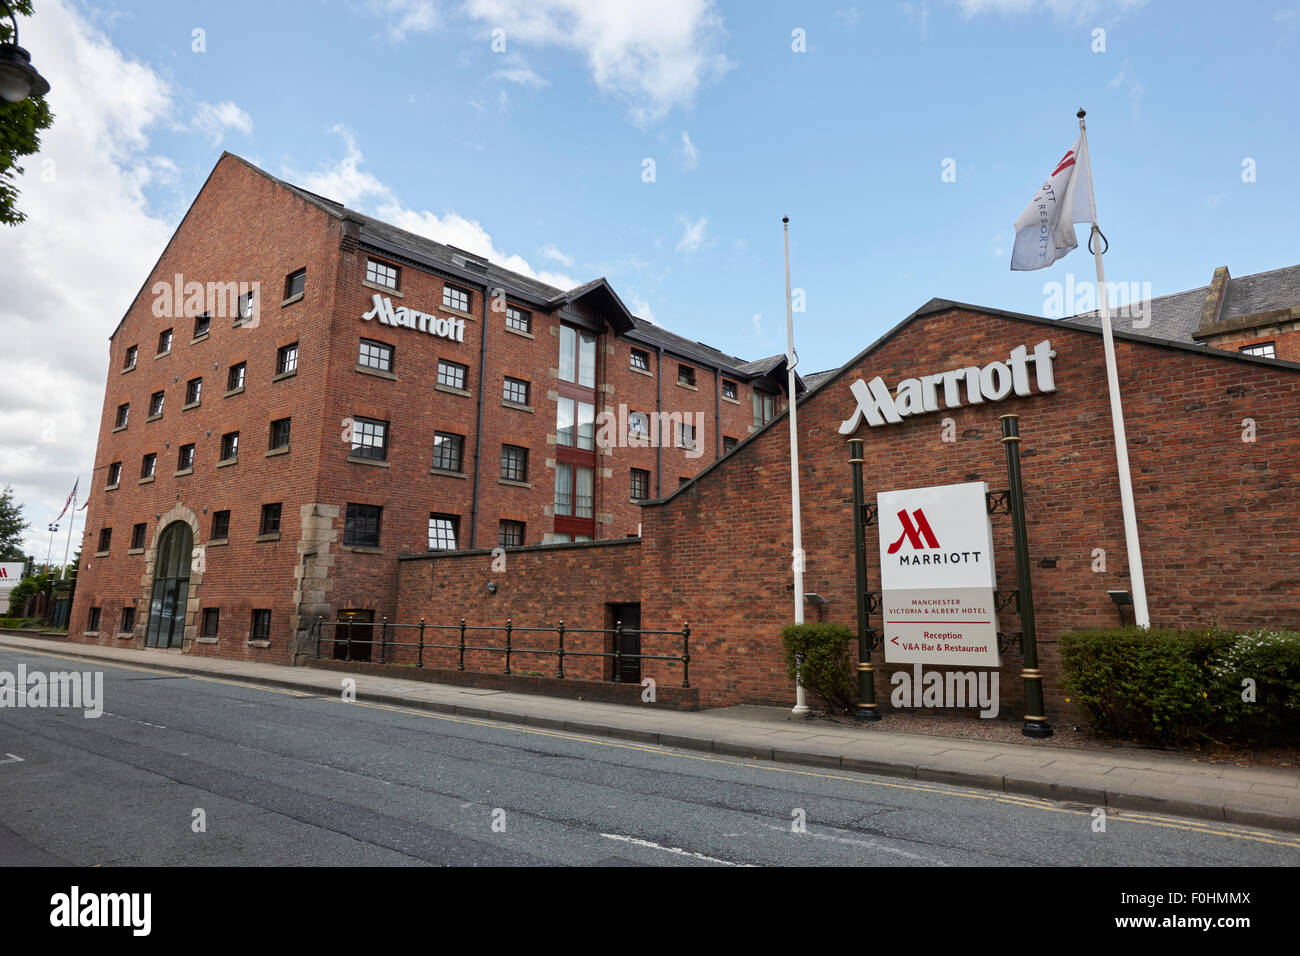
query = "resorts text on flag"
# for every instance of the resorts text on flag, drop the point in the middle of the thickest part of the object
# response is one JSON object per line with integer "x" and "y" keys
{"x": 1045, "y": 230}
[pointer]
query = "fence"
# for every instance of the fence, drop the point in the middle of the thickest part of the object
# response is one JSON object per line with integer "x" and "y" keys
{"x": 508, "y": 649}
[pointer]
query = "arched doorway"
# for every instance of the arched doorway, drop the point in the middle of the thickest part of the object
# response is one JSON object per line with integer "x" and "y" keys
{"x": 171, "y": 587}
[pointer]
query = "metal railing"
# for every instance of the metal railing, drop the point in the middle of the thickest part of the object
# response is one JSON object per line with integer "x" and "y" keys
{"x": 508, "y": 649}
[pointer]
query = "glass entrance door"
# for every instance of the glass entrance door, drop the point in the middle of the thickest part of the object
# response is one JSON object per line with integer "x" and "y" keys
{"x": 171, "y": 587}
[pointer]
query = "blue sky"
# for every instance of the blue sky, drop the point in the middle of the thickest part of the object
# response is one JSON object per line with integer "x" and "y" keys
{"x": 535, "y": 154}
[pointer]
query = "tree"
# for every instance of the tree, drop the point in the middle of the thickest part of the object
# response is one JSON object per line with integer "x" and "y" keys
{"x": 20, "y": 127}
{"x": 12, "y": 526}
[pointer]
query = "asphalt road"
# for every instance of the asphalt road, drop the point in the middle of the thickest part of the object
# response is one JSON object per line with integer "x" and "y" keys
{"x": 285, "y": 778}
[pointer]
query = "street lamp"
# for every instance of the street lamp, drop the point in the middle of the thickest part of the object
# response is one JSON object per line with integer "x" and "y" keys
{"x": 53, "y": 528}
{"x": 18, "y": 78}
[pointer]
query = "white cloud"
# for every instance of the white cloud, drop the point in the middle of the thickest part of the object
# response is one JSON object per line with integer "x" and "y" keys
{"x": 690, "y": 154}
{"x": 347, "y": 183}
{"x": 692, "y": 238}
{"x": 406, "y": 16}
{"x": 655, "y": 56}
{"x": 73, "y": 268}
{"x": 213, "y": 121}
{"x": 917, "y": 12}
{"x": 641, "y": 308}
{"x": 550, "y": 252}
{"x": 517, "y": 71}
{"x": 1076, "y": 10}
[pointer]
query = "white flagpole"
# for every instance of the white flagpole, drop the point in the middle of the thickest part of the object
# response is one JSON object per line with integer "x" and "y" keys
{"x": 800, "y": 702}
{"x": 72, "y": 519}
{"x": 1137, "y": 580}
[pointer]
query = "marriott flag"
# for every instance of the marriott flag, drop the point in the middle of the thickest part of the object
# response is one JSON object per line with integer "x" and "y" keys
{"x": 71, "y": 494}
{"x": 1045, "y": 230}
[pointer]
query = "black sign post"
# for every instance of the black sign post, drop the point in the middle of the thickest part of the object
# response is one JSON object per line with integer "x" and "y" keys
{"x": 866, "y": 636}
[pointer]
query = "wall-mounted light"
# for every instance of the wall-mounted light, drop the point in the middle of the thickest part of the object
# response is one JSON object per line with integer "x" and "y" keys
{"x": 492, "y": 587}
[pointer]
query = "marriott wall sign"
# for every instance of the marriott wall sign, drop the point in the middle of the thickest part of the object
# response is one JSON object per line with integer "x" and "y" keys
{"x": 382, "y": 309}
{"x": 960, "y": 386}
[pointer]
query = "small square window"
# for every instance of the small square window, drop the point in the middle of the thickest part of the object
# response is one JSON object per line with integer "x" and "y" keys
{"x": 128, "y": 619}
{"x": 369, "y": 439}
{"x": 640, "y": 359}
{"x": 155, "y": 404}
{"x": 270, "y": 519}
{"x": 729, "y": 444}
{"x": 220, "y": 525}
{"x": 129, "y": 362}
{"x": 764, "y": 408}
{"x": 1262, "y": 349}
{"x": 261, "y": 625}
{"x": 729, "y": 390}
{"x": 375, "y": 355}
{"x": 105, "y": 539}
{"x": 186, "y": 458}
{"x": 640, "y": 484}
{"x": 451, "y": 374}
{"x": 286, "y": 359}
{"x": 92, "y": 623}
{"x": 147, "y": 464}
{"x": 685, "y": 435}
{"x": 442, "y": 532}
{"x": 247, "y": 307}
{"x": 114, "y": 473}
{"x": 361, "y": 525}
{"x": 638, "y": 423}
{"x": 381, "y": 273}
{"x": 685, "y": 375}
{"x": 193, "y": 391}
{"x": 229, "y": 446}
{"x": 280, "y": 433}
{"x": 511, "y": 534}
{"x": 454, "y": 298}
{"x": 518, "y": 319}
{"x": 164, "y": 341}
{"x": 211, "y": 621}
{"x": 516, "y": 390}
{"x": 138, "y": 531}
{"x": 202, "y": 324}
{"x": 514, "y": 463}
{"x": 235, "y": 377}
{"x": 295, "y": 283}
{"x": 123, "y": 412}
{"x": 448, "y": 451}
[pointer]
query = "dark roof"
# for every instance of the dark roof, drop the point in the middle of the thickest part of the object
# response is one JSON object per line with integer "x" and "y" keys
{"x": 1177, "y": 316}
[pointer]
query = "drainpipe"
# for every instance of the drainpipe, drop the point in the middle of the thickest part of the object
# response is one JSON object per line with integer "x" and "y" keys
{"x": 717, "y": 408}
{"x": 659, "y": 407}
{"x": 478, "y": 437}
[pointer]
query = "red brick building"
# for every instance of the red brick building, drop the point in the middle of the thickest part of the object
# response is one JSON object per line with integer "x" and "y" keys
{"x": 300, "y": 392}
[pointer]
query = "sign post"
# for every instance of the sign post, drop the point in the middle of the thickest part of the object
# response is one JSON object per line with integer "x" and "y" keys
{"x": 866, "y": 637}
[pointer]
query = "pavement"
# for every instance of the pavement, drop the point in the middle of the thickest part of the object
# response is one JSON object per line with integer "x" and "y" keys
{"x": 1128, "y": 779}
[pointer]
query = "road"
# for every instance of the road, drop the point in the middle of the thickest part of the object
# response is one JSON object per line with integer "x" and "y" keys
{"x": 195, "y": 771}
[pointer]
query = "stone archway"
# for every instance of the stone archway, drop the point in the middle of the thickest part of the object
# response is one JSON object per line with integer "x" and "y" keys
{"x": 186, "y": 600}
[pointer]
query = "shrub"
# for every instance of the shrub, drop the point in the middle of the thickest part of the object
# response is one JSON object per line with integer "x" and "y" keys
{"x": 1270, "y": 662}
{"x": 825, "y": 670}
{"x": 27, "y": 586}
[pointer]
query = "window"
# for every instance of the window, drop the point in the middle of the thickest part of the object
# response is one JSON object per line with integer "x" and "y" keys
{"x": 729, "y": 444}
{"x": 764, "y": 407}
{"x": 261, "y": 625}
{"x": 448, "y": 451}
{"x": 235, "y": 378}
{"x": 375, "y": 355}
{"x": 577, "y": 357}
{"x": 280, "y": 433}
{"x": 155, "y": 404}
{"x": 164, "y": 341}
{"x": 270, "y": 519}
{"x": 580, "y": 432}
{"x": 123, "y": 412}
{"x": 137, "y": 535}
{"x": 229, "y": 446}
{"x": 185, "y": 459}
{"x": 381, "y": 273}
{"x": 685, "y": 375}
{"x": 442, "y": 532}
{"x": 682, "y": 482}
{"x": 516, "y": 391}
{"x": 129, "y": 363}
{"x": 685, "y": 435}
{"x": 451, "y": 374}
{"x": 128, "y": 620}
{"x": 202, "y": 324}
{"x": 361, "y": 526}
{"x": 511, "y": 534}
{"x": 92, "y": 624}
{"x": 220, "y": 525}
{"x": 247, "y": 305}
{"x": 1262, "y": 349}
{"x": 211, "y": 621}
{"x": 193, "y": 391}
{"x": 514, "y": 463}
{"x": 638, "y": 423}
{"x": 518, "y": 319}
{"x": 295, "y": 283}
{"x": 729, "y": 389}
{"x": 147, "y": 465}
{"x": 105, "y": 539}
{"x": 574, "y": 490}
{"x": 640, "y": 484}
{"x": 640, "y": 359}
{"x": 454, "y": 298}
{"x": 114, "y": 473}
{"x": 369, "y": 439}
{"x": 286, "y": 359}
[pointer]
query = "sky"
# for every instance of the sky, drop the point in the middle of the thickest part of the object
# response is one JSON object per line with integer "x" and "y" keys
{"x": 657, "y": 144}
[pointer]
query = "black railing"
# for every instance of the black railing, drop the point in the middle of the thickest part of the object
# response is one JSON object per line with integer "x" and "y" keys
{"x": 508, "y": 648}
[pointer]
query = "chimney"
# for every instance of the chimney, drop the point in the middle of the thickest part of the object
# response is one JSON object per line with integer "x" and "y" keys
{"x": 1214, "y": 298}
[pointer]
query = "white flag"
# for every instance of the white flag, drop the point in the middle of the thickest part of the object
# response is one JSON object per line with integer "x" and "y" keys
{"x": 1045, "y": 230}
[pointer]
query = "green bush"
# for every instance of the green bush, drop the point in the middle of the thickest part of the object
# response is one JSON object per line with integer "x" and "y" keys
{"x": 20, "y": 622}
{"x": 27, "y": 586}
{"x": 825, "y": 670}
{"x": 1171, "y": 687}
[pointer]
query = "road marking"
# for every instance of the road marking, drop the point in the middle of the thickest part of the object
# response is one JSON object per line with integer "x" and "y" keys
{"x": 13, "y": 758}
{"x": 870, "y": 844}
{"x": 1114, "y": 815}
{"x": 672, "y": 849}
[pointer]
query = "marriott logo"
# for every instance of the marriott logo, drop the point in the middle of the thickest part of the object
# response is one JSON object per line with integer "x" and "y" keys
{"x": 913, "y": 533}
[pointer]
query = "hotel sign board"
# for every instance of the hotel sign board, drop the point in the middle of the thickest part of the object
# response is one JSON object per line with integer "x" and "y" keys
{"x": 382, "y": 310}
{"x": 937, "y": 576}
